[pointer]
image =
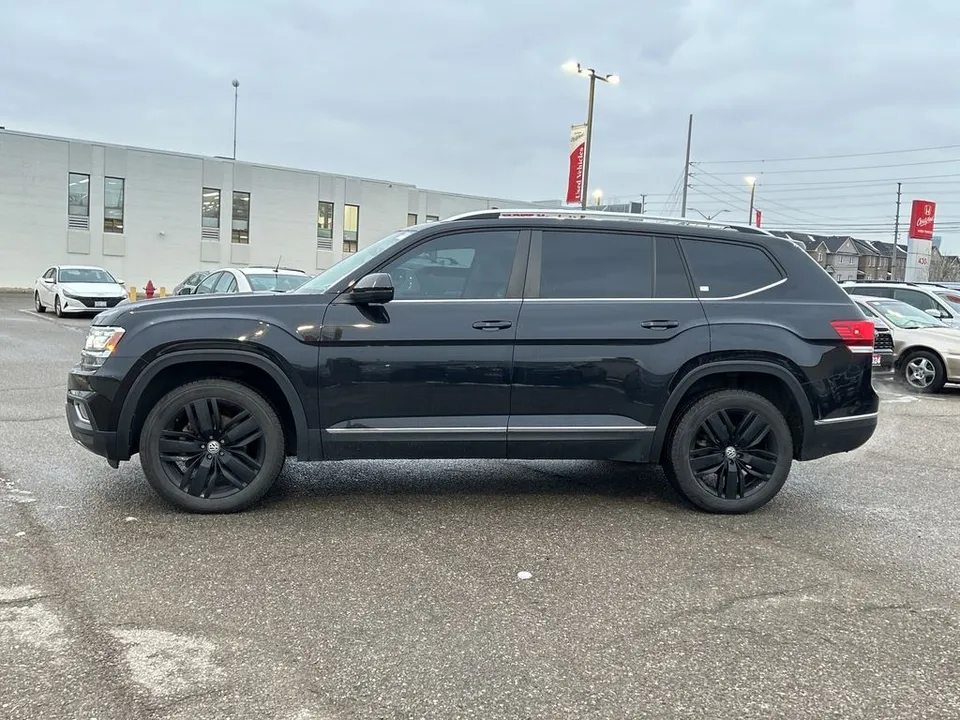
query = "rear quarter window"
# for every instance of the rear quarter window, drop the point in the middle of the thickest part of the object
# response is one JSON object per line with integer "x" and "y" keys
{"x": 726, "y": 269}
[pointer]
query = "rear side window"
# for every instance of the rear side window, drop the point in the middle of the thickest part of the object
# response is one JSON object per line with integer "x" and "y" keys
{"x": 724, "y": 269}
{"x": 585, "y": 264}
{"x": 874, "y": 291}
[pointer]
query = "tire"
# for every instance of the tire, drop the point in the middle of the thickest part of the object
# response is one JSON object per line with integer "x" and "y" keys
{"x": 180, "y": 444}
{"x": 754, "y": 445}
{"x": 57, "y": 309}
{"x": 922, "y": 372}
{"x": 38, "y": 306}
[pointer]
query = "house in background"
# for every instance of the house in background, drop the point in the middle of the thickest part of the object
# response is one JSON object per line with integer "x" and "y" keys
{"x": 900, "y": 262}
{"x": 872, "y": 264}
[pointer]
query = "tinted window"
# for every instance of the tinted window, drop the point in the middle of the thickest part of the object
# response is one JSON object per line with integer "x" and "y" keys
{"x": 207, "y": 285}
{"x": 584, "y": 264}
{"x": 724, "y": 269}
{"x": 671, "y": 279}
{"x": 466, "y": 265}
{"x": 874, "y": 291}
{"x": 917, "y": 299}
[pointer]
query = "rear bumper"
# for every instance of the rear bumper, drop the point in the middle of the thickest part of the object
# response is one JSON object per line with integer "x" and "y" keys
{"x": 838, "y": 435}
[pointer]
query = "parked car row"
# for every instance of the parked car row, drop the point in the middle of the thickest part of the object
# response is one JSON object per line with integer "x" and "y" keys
{"x": 75, "y": 289}
{"x": 925, "y": 350}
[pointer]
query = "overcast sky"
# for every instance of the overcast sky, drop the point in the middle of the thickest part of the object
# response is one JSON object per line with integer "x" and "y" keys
{"x": 468, "y": 95}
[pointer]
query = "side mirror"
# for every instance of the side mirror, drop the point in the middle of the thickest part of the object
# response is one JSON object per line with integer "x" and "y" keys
{"x": 120, "y": 282}
{"x": 186, "y": 291}
{"x": 935, "y": 312}
{"x": 373, "y": 289}
{"x": 47, "y": 281}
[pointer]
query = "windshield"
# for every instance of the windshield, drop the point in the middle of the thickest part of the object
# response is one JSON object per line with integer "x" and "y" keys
{"x": 279, "y": 282}
{"x": 343, "y": 269}
{"x": 952, "y": 298}
{"x": 85, "y": 275}
{"x": 904, "y": 316}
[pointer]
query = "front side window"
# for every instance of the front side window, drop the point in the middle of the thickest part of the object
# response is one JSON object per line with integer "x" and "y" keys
{"x": 78, "y": 195}
{"x": 223, "y": 284}
{"x": 210, "y": 208}
{"x": 586, "y": 264}
{"x": 208, "y": 284}
{"x": 113, "y": 205}
{"x": 351, "y": 228}
{"x": 474, "y": 265}
{"x": 240, "y": 227}
{"x": 951, "y": 298}
{"x": 919, "y": 300}
{"x": 725, "y": 269}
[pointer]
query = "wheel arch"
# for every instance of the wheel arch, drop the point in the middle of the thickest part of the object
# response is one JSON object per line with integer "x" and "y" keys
{"x": 183, "y": 366}
{"x": 905, "y": 353}
{"x": 767, "y": 377}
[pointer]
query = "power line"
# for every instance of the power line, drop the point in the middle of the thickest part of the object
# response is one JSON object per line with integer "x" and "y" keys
{"x": 839, "y": 169}
{"x": 829, "y": 157}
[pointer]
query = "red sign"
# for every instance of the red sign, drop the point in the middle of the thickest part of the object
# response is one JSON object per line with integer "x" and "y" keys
{"x": 759, "y": 216}
{"x": 922, "y": 213}
{"x": 578, "y": 147}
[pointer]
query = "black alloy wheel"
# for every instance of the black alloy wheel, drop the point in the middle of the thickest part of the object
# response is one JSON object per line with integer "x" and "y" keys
{"x": 212, "y": 446}
{"x": 730, "y": 452}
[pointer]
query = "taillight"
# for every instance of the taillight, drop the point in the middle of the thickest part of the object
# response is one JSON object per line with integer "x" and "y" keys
{"x": 858, "y": 335}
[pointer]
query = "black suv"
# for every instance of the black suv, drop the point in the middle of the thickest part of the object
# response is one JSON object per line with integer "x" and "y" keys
{"x": 721, "y": 352}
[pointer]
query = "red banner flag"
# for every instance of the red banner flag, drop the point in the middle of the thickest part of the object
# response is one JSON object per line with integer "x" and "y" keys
{"x": 578, "y": 138}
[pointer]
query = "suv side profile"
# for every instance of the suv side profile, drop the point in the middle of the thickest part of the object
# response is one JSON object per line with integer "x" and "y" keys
{"x": 929, "y": 297}
{"x": 720, "y": 352}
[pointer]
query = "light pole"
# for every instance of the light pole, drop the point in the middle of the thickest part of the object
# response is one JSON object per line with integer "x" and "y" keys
{"x": 573, "y": 66}
{"x": 597, "y": 197}
{"x": 708, "y": 217}
{"x": 236, "y": 86}
{"x": 752, "y": 182}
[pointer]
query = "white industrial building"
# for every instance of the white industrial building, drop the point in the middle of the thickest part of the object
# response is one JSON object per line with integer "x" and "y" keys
{"x": 154, "y": 215}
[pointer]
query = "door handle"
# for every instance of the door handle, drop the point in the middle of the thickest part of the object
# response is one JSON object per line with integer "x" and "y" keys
{"x": 492, "y": 324}
{"x": 659, "y": 324}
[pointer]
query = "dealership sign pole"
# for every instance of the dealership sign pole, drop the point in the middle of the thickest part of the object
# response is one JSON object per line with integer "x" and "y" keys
{"x": 920, "y": 240}
{"x": 578, "y": 146}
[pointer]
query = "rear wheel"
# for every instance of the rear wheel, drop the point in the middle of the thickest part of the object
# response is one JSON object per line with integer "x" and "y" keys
{"x": 923, "y": 372}
{"x": 37, "y": 304}
{"x": 212, "y": 446}
{"x": 730, "y": 452}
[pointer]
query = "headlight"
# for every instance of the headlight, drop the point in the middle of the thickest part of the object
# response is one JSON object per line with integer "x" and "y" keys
{"x": 99, "y": 345}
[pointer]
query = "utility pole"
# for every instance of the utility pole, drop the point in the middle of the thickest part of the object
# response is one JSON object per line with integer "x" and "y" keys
{"x": 643, "y": 204}
{"x": 896, "y": 237}
{"x": 686, "y": 168}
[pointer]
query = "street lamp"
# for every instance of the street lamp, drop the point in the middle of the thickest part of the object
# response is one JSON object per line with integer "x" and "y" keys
{"x": 708, "y": 217}
{"x": 236, "y": 86}
{"x": 752, "y": 182}
{"x": 572, "y": 66}
{"x": 597, "y": 196}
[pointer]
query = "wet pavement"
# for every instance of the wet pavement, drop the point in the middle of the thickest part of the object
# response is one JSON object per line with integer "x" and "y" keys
{"x": 391, "y": 590}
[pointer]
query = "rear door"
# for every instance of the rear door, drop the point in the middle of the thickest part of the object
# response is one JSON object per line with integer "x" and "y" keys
{"x": 608, "y": 318}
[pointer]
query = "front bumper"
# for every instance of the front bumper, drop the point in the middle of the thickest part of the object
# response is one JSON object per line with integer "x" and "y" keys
{"x": 80, "y": 304}
{"x": 84, "y": 430}
{"x": 883, "y": 362}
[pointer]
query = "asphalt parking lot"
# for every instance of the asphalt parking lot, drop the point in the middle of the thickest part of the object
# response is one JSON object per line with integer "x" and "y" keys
{"x": 391, "y": 590}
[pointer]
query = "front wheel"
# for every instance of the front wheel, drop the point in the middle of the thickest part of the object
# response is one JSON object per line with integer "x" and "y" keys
{"x": 730, "y": 452}
{"x": 212, "y": 446}
{"x": 923, "y": 372}
{"x": 57, "y": 308}
{"x": 38, "y": 306}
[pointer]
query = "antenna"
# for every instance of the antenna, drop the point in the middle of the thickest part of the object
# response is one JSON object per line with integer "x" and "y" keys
{"x": 279, "y": 260}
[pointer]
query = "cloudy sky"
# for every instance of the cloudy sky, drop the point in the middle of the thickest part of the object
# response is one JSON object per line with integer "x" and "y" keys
{"x": 469, "y": 96}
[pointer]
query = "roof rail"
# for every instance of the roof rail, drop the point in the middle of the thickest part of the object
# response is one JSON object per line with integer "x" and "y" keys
{"x": 576, "y": 213}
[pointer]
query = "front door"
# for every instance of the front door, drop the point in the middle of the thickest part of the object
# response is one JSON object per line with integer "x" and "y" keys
{"x": 427, "y": 374}
{"x": 608, "y": 319}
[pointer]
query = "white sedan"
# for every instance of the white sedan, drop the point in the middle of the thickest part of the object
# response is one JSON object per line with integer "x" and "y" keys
{"x": 77, "y": 289}
{"x": 251, "y": 279}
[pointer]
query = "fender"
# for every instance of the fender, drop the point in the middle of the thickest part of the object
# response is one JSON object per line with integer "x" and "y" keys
{"x": 125, "y": 421}
{"x": 723, "y": 366}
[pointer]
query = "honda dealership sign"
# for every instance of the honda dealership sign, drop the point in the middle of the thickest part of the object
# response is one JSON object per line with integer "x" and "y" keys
{"x": 920, "y": 241}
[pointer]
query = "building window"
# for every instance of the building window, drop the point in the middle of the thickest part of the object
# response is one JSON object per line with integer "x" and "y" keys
{"x": 210, "y": 212}
{"x": 411, "y": 219}
{"x": 78, "y": 201}
{"x": 351, "y": 228}
{"x": 324, "y": 225}
{"x": 240, "y": 229}
{"x": 433, "y": 218}
{"x": 113, "y": 205}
